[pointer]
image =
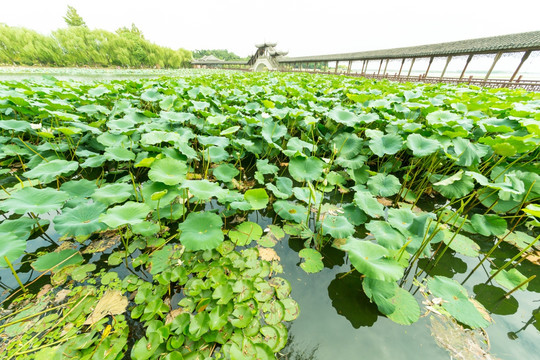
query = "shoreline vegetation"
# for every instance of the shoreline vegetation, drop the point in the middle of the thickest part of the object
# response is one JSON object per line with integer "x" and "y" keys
{"x": 79, "y": 46}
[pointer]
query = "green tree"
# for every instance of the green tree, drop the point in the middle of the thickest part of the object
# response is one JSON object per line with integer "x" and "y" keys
{"x": 72, "y": 18}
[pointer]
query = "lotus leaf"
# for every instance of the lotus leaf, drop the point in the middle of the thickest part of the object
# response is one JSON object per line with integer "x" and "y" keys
{"x": 37, "y": 201}
{"x": 383, "y": 185}
{"x": 11, "y": 247}
{"x": 290, "y": 211}
{"x": 168, "y": 171}
{"x": 81, "y": 220}
{"x": 203, "y": 189}
{"x": 306, "y": 169}
{"x": 337, "y": 226}
{"x": 49, "y": 171}
{"x": 201, "y": 231}
{"x": 57, "y": 260}
{"x": 129, "y": 213}
{"x": 312, "y": 261}
{"x": 246, "y": 232}
{"x": 388, "y": 144}
{"x": 510, "y": 279}
{"x": 344, "y": 117}
{"x": 225, "y": 172}
{"x": 368, "y": 204}
{"x": 386, "y": 235}
{"x": 282, "y": 189}
{"x": 110, "y": 194}
{"x": 257, "y": 198}
{"x": 422, "y": 146}
{"x": 488, "y": 224}
{"x": 372, "y": 260}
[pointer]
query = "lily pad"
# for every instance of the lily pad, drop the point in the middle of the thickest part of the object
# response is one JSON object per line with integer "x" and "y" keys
{"x": 258, "y": 198}
{"x": 203, "y": 189}
{"x": 312, "y": 260}
{"x": 81, "y": 220}
{"x": 11, "y": 247}
{"x": 290, "y": 211}
{"x": 225, "y": 172}
{"x": 168, "y": 171}
{"x": 306, "y": 169}
{"x": 129, "y": 213}
{"x": 337, "y": 226}
{"x": 57, "y": 260}
{"x": 245, "y": 233}
{"x": 37, "y": 201}
{"x": 201, "y": 231}
{"x": 383, "y": 185}
{"x": 49, "y": 171}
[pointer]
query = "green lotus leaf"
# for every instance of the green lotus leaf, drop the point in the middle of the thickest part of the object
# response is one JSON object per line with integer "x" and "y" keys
{"x": 216, "y": 154}
{"x": 230, "y": 130}
{"x": 151, "y": 95}
{"x": 461, "y": 244}
{"x": 292, "y": 310}
{"x": 118, "y": 153}
{"x": 201, "y": 231}
{"x": 386, "y": 235}
{"x": 272, "y": 131}
{"x": 442, "y": 118}
{"x": 290, "y": 211}
{"x": 203, "y": 189}
{"x": 245, "y": 233}
{"x": 282, "y": 286}
{"x": 145, "y": 347}
{"x": 168, "y": 171}
{"x": 312, "y": 260}
{"x": 422, "y": 146}
{"x": 368, "y": 204}
{"x": 466, "y": 312}
{"x": 258, "y": 198}
{"x": 265, "y": 167}
{"x": 79, "y": 188}
{"x": 216, "y": 119}
{"x": 372, "y": 260}
{"x": 407, "y": 310}
{"x": 488, "y": 224}
{"x": 510, "y": 279}
{"x": 306, "y": 169}
{"x": 241, "y": 316}
{"x": 12, "y": 247}
{"x": 307, "y": 195}
{"x": 354, "y": 215}
{"x": 467, "y": 153}
{"x": 129, "y": 213}
{"x": 218, "y": 317}
{"x": 282, "y": 189}
{"x": 80, "y": 220}
{"x": 383, "y": 185}
{"x": 49, "y": 171}
{"x": 446, "y": 288}
{"x": 37, "y": 201}
{"x": 381, "y": 292}
{"x": 110, "y": 194}
{"x": 388, "y": 144}
{"x": 21, "y": 227}
{"x": 57, "y": 260}
{"x": 343, "y": 116}
{"x": 347, "y": 145}
{"x": 146, "y": 228}
{"x": 354, "y": 163}
{"x": 337, "y": 226}
{"x": 225, "y": 172}
{"x": 15, "y": 125}
{"x": 273, "y": 312}
{"x": 455, "y": 186}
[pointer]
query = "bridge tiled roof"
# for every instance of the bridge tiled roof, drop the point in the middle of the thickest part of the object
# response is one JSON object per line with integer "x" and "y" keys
{"x": 487, "y": 45}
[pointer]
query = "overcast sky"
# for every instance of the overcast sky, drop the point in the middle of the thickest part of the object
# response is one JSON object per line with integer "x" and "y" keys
{"x": 304, "y": 27}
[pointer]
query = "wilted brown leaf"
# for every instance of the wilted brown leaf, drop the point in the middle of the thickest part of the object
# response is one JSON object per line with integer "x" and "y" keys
{"x": 111, "y": 303}
{"x": 107, "y": 239}
{"x": 385, "y": 201}
{"x": 268, "y": 254}
{"x": 171, "y": 315}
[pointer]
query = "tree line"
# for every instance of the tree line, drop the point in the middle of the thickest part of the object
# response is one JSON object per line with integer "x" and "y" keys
{"x": 219, "y": 53}
{"x": 77, "y": 45}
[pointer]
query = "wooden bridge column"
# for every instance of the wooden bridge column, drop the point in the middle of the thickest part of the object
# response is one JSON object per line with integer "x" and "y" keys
{"x": 523, "y": 59}
{"x": 448, "y": 59}
{"x": 401, "y": 67}
{"x": 337, "y": 64}
{"x": 429, "y": 65}
{"x": 497, "y": 57}
{"x": 367, "y": 64}
{"x": 385, "y": 66}
{"x": 380, "y": 66}
{"x": 410, "y": 69}
{"x": 465, "y": 68}
{"x": 349, "y": 67}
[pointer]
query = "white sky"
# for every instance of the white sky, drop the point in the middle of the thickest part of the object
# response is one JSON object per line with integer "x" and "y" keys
{"x": 304, "y": 27}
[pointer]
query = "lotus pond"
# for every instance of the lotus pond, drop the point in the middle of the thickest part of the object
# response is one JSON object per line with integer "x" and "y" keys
{"x": 258, "y": 216}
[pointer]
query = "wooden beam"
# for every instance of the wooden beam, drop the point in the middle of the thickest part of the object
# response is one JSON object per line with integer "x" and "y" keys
{"x": 337, "y": 64}
{"x": 497, "y": 57}
{"x": 385, "y": 66}
{"x": 380, "y": 66}
{"x": 349, "y": 67}
{"x": 429, "y": 66}
{"x": 448, "y": 59}
{"x": 363, "y": 67}
{"x": 401, "y": 67}
{"x": 410, "y": 69}
{"x": 465, "y": 67}
{"x": 523, "y": 59}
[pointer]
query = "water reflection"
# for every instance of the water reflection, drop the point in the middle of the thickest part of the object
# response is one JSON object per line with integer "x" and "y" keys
{"x": 349, "y": 300}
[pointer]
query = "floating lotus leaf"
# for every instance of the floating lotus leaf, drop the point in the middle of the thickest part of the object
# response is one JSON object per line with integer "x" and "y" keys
{"x": 388, "y": 144}
{"x": 265, "y": 168}
{"x": 344, "y": 117}
{"x": 282, "y": 286}
{"x": 225, "y": 172}
{"x": 337, "y": 226}
{"x": 354, "y": 215}
{"x": 272, "y": 131}
{"x": 292, "y": 310}
{"x": 407, "y": 310}
{"x": 57, "y": 260}
{"x": 368, "y": 204}
{"x": 383, "y": 185}
{"x": 12, "y": 247}
{"x": 488, "y": 224}
{"x": 147, "y": 228}
{"x": 110, "y": 194}
{"x": 347, "y": 145}
{"x": 282, "y": 189}
{"x": 21, "y": 227}
{"x": 49, "y": 171}
{"x": 258, "y": 198}
{"x": 386, "y": 235}
{"x": 230, "y": 130}
{"x": 372, "y": 260}
{"x": 37, "y": 201}
{"x": 312, "y": 260}
{"x": 290, "y": 211}
{"x": 273, "y": 312}
{"x": 118, "y": 153}
{"x": 201, "y": 231}
{"x": 79, "y": 188}
{"x": 81, "y": 220}
{"x": 442, "y": 118}
{"x": 306, "y": 169}
{"x": 510, "y": 279}
{"x": 461, "y": 244}
{"x": 129, "y": 213}
{"x": 203, "y": 189}
{"x": 168, "y": 171}
{"x": 15, "y": 125}
{"x": 381, "y": 292}
{"x": 151, "y": 95}
{"x": 246, "y": 232}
